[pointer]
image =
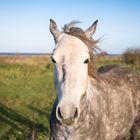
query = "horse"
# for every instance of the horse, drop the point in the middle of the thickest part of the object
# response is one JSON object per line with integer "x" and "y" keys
{"x": 91, "y": 104}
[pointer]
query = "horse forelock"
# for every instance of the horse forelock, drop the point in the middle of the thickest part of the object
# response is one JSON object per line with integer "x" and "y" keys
{"x": 91, "y": 44}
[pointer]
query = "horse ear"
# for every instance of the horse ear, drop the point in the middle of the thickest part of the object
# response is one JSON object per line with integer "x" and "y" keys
{"x": 91, "y": 30}
{"x": 54, "y": 30}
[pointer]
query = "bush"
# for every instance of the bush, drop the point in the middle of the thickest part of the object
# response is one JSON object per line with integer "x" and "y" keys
{"x": 132, "y": 56}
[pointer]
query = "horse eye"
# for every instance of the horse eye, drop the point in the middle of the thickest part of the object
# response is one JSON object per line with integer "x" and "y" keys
{"x": 86, "y": 61}
{"x": 53, "y": 60}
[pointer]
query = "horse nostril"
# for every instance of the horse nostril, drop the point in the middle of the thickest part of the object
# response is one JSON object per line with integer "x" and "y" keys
{"x": 76, "y": 113}
{"x": 67, "y": 115}
{"x": 59, "y": 113}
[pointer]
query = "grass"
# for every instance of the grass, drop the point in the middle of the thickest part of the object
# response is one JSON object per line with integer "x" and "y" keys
{"x": 27, "y": 94}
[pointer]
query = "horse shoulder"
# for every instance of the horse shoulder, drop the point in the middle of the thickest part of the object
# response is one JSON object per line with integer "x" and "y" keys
{"x": 122, "y": 92}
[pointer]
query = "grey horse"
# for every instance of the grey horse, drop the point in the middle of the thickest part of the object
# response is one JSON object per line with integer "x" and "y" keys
{"x": 91, "y": 104}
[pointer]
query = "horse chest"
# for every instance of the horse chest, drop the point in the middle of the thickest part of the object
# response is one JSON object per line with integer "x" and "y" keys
{"x": 82, "y": 131}
{"x": 77, "y": 135}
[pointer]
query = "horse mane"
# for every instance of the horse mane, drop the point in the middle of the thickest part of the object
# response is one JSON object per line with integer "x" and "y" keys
{"x": 73, "y": 30}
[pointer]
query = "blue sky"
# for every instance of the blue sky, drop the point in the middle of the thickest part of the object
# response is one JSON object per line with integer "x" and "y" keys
{"x": 24, "y": 23}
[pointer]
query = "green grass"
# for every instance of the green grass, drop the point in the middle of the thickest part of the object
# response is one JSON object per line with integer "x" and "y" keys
{"x": 26, "y": 97}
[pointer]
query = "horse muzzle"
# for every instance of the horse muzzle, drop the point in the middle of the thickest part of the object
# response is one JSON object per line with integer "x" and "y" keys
{"x": 67, "y": 115}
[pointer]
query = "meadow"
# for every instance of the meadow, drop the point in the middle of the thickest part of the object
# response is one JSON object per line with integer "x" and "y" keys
{"x": 27, "y": 94}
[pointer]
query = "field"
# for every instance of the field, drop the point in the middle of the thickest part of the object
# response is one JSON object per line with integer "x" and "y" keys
{"x": 27, "y": 94}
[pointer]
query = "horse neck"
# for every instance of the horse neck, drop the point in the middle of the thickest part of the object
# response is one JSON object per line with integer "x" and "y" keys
{"x": 89, "y": 104}
{"x": 92, "y": 93}
{"x": 90, "y": 112}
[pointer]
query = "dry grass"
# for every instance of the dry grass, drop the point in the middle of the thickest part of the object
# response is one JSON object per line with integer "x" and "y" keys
{"x": 132, "y": 56}
{"x": 36, "y": 60}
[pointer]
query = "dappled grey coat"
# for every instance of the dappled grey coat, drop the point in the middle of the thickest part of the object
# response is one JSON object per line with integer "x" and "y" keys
{"x": 113, "y": 113}
{"x": 110, "y": 106}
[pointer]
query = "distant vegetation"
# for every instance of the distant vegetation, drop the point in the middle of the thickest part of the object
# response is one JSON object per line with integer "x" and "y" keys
{"x": 27, "y": 94}
{"x": 132, "y": 56}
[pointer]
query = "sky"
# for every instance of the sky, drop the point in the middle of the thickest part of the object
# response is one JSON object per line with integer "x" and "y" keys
{"x": 24, "y": 24}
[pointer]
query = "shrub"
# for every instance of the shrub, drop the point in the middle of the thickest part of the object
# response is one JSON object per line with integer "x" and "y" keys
{"x": 132, "y": 56}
